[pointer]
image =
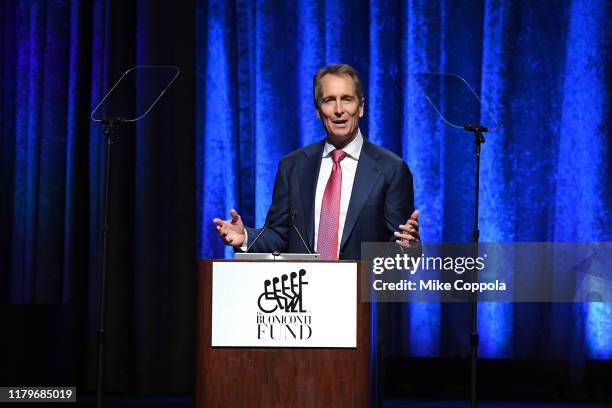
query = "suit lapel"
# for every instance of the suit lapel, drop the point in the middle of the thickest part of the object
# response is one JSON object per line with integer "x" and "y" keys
{"x": 366, "y": 177}
{"x": 310, "y": 175}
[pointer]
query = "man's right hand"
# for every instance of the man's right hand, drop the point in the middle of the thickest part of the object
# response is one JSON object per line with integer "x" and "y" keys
{"x": 231, "y": 231}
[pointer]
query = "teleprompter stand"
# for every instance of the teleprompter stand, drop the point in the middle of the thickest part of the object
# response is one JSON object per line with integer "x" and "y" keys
{"x": 479, "y": 139}
{"x": 457, "y": 104}
{"x": 113, "y": 110}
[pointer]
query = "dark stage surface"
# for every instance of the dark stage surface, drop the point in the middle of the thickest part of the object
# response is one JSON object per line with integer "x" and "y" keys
{"x": 483, "y": 404}
{"x": 187, "y": 401}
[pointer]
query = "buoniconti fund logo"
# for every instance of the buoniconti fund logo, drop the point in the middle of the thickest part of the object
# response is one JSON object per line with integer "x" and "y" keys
{"x": 282, "y": 313}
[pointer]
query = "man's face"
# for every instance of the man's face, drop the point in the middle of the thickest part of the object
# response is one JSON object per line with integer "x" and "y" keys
{"x": 340, "y": 109}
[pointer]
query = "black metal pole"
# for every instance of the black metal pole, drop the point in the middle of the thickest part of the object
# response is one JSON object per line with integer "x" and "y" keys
{"x": 478, "y": 140}
{"x": 109, "y": 132}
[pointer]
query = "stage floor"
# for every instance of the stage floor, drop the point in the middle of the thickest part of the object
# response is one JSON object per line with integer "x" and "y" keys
{"x": 401, "y": 403}
{"x": 187, "y": 402}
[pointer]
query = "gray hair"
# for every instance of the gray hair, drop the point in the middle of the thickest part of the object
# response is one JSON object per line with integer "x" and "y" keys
{"x": 338, "y": 70}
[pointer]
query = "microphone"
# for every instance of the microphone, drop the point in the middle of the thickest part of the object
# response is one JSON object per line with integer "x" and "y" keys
{"x": 271, "y": 212}
{"x": 293, "y": 214}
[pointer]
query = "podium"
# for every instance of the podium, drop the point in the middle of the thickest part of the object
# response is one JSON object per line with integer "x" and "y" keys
{"x": 278, "y": 377}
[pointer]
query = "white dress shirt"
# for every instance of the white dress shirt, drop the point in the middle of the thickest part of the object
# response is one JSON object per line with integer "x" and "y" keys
{"x": 349, "y": 168}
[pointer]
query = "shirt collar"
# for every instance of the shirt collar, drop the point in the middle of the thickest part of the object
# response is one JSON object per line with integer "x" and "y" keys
{"x": 352, "y": 149}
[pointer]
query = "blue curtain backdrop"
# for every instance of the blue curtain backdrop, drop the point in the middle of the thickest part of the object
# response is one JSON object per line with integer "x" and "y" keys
{"x": 542, "y": 68}
{"x": 244, "y": 100}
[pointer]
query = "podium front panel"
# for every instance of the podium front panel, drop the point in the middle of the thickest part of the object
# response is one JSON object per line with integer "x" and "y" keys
{"x": 284, "y": 304}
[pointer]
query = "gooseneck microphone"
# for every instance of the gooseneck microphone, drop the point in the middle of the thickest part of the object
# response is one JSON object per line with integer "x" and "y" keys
{"x": 271, "y": 212}
{"x": 293, "y": 214}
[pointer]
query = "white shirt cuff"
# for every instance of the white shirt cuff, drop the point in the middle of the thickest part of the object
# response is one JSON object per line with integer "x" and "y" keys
{"x": 245, "y": 244}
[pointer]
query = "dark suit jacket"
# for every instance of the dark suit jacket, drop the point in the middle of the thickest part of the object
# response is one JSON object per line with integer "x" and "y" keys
{"x": 382, "y": 198}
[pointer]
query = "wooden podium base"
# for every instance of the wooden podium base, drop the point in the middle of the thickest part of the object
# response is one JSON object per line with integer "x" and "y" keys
{"x": 278, "y": 377}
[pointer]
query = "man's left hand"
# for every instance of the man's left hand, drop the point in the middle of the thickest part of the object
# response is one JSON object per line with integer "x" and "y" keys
{"x": 408, "y": 234}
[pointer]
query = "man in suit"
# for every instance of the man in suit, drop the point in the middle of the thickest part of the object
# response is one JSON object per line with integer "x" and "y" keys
{"x": 337, "y": 193}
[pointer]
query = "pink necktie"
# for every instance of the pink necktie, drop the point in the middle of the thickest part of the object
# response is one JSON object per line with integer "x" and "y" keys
{"x": 327, "y": 244}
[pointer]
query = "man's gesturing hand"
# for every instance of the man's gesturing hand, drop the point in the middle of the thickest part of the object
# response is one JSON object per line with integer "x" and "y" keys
{"x": 231, "y": 231}
{"x": 408, "y": 234}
